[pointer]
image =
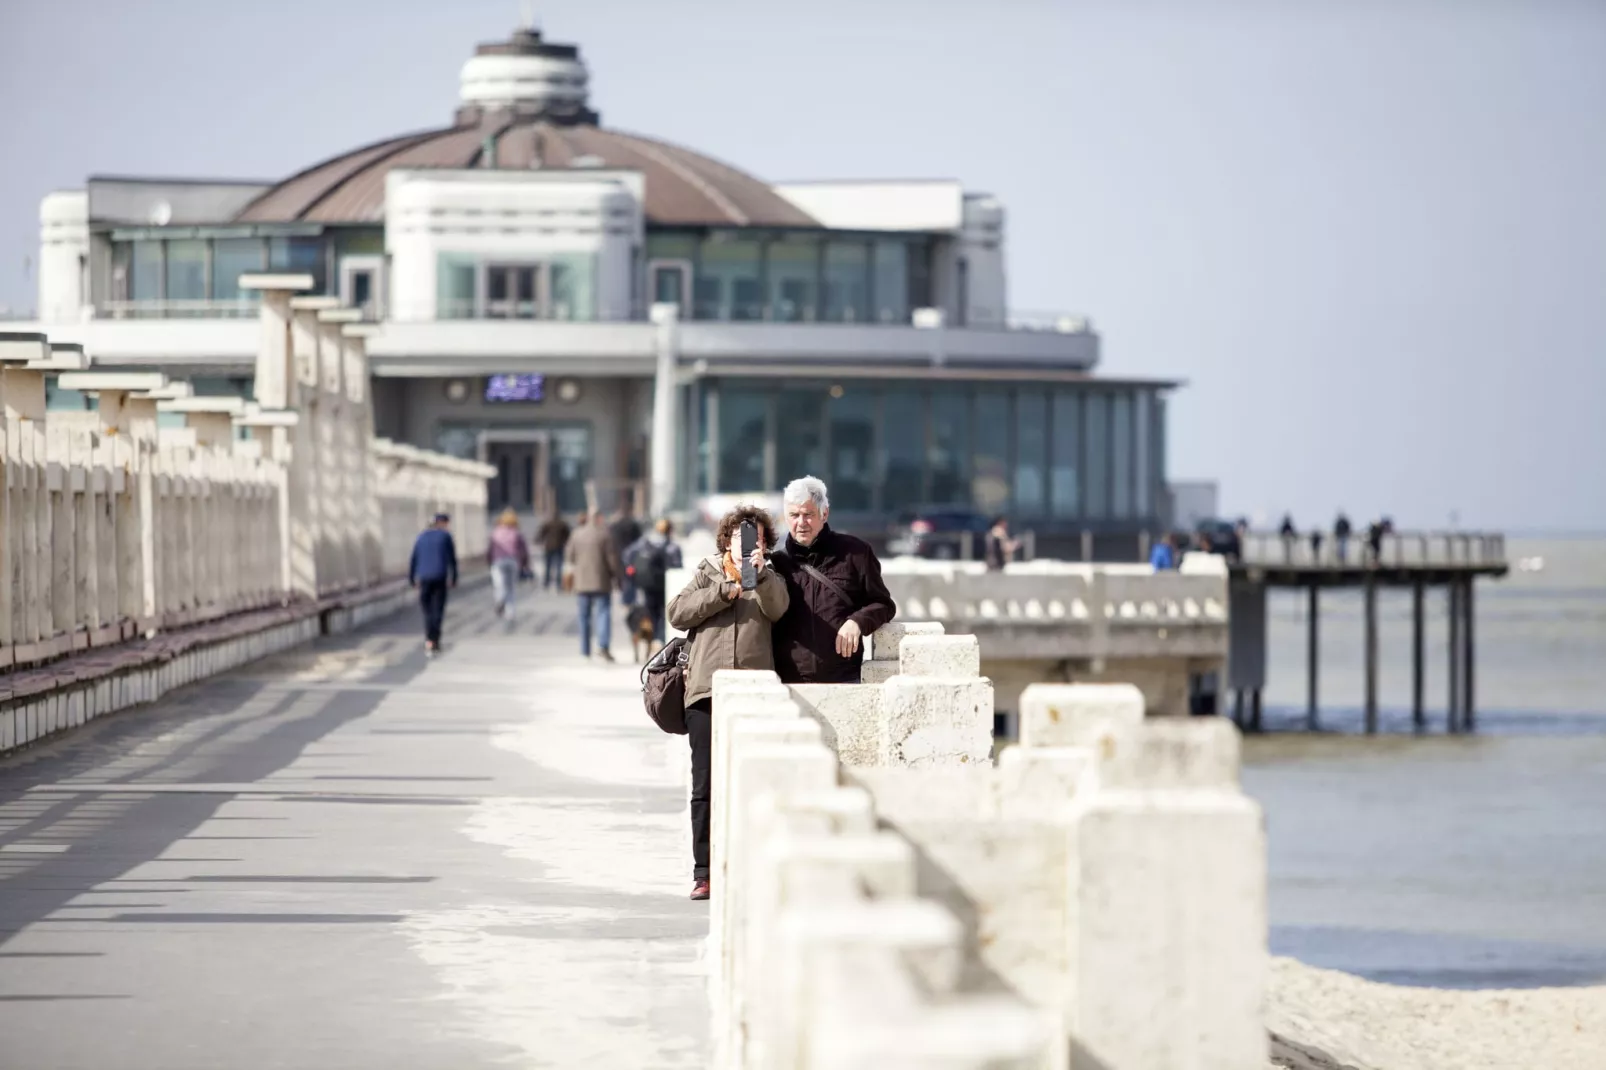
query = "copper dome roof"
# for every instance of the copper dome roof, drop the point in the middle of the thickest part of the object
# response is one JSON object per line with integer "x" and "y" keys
{"x": 682, "y": 187}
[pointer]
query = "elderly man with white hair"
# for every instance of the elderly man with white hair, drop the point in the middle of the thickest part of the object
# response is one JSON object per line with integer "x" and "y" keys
{"x": 837, "y": 596}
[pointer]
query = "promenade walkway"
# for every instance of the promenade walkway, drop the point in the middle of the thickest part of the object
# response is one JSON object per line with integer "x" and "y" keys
{"x": 351, "y": 857}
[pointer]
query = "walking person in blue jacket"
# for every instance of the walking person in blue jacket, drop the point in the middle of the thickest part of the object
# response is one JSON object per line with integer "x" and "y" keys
{"x": 433, "y": 570}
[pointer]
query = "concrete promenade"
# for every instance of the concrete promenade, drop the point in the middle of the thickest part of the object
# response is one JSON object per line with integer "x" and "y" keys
{"x": 348, "y": 856}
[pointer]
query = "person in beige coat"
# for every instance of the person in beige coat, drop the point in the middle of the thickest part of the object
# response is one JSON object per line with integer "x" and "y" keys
{"x": 592, "y": 570}
{"x": 730, "y": 629}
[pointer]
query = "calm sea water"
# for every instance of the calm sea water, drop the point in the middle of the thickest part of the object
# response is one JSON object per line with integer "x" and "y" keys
{"x": 1449, "y": 861}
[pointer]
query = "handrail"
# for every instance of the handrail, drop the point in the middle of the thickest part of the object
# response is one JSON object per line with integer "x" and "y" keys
{"x": 1402, "y": 549}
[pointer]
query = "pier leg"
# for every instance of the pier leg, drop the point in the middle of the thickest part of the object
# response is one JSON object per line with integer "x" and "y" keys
{"x": 1417, "y": 650}
{"x": 1470, "y": 662}
{"x": 1238, "y": 707}
{"x": 1371, "y": 653}
{"x": 1312, "y": 655}
{"x": 1254, "y": 709}
{"x": 1452, "y": 720}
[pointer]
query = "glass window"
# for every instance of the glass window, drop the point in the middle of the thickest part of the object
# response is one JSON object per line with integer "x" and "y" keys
{"x": 569, "y": 466}
{"x": 793, "y": 267}
{"x": 1064, "y": 486}
{"x": 1031, "y": 451}
{"x": 799, "y": 433}
{"x": 455, "y": 284}
{"x": 1142, "y": 468}
{"x": 853, "y": 424}
{"x": 847, "y": 282}
{"x": 145, "y": 278}
{"x": 364, "y": 241}
{"x": 919, "y": 254}
{"x": 949, "y": 457}
{"x": 1097, "y": 455}
{"x": 671, "y": 246}
{"x": 891, "y": 281}
{"x": 301, "y": 255}
{"x": 1121, "y": 454}
{"x": 903, "y": 448}
{"x": 231, "y": 258}
{"x": 991, "y": 475}
{"x": 186, "y": 270}
{"x": 728, "y": 285}
{"x": 574, "y": 287}
{"x": 743, "y": 437}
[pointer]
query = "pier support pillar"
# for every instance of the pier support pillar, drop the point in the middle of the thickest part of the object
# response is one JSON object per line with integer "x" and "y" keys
{"x": 1417, "y": 649}
{"x": 1371, "y": 653}
{"x": 1312, "y": 655}
{"x": 1254, "y": 709}
{"x": 1468, "y": 655}
{"x": 1452, "y": 594}
{"x": 1238, "y": 707}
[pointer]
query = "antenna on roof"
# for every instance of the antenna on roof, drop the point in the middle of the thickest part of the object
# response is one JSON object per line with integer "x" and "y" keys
{"x": 527, "y": 15}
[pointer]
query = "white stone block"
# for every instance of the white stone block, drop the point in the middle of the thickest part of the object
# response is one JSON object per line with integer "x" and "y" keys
{"x": 946, "y": 656}
{"x": 885, "y": 641}
{"x": 745, "y": 681}
{"x": 1170, "y": 754}
{"x": 930, "y": 722}
{"x": 8, "y": 729}
{"x": 1072, "y": 715}
{"x": 850, "y": 717}
{"x": 878, "y": 672}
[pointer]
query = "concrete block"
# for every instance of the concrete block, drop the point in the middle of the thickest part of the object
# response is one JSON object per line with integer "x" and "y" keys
{"x": 884, "y": 641}
{"x": 1072, "y": 715}
{"x": 928, "y": 722}
{"x": 878, "y": 672}
{"x": 745, "y": 681}
{"x": 849, "y": 715}
{"x": 944, "y": 656}
{"x": 870, "y": 1020}
{"x": 8, "y": 729}
{"x": 1166, "y": 958}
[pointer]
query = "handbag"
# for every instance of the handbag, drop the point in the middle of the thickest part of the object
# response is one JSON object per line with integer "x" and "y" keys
{"x": 663, "y": 685}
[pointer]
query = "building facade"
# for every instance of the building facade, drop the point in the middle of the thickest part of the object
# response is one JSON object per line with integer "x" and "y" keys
{"x": 609, "y": 318}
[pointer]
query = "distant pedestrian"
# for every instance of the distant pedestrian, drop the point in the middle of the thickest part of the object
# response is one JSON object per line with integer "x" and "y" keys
{"x": 1374, "y": 538}
{"x": 1341, "y": 534}
{"x": 554, "y": 536}
{"x": 647, "y": 563}
{"x": 509, "y": 557}
{"x": 1316, "y": 545}
{"x": 625, "y": 531}
{"x": 1289, "y": 534}
{"x": 1164, "y": 554}
{"x": 730, "y": 629}
{"x": 433, "y": 571}
{"x": 835, "y": 592}
{"x": 1000, "y": 547}
{"x": 592, "y": 571}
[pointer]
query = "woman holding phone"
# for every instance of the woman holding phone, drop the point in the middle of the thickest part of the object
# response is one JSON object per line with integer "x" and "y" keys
{"x": 729, "y": 626}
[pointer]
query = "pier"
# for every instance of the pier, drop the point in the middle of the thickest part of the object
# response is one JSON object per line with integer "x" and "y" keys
{"x": 1418, "y": 561}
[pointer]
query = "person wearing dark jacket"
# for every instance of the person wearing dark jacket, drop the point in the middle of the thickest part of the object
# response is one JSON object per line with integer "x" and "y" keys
{"x": 433, "y": 569}
{"x": 836, "y": 594}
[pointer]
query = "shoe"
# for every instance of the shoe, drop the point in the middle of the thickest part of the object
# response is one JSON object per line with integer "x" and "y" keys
{"x": 604, "y": 655}
{"x": 430, "y": 649}
{"x": 699, "y": 890}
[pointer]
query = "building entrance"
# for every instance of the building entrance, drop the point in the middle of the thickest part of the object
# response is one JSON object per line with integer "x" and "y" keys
{"x": 522, "y": 460}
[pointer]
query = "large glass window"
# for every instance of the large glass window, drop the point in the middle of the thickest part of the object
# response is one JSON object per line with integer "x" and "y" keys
{"x": 919, "y": 254}
{"x": 145, "y": 274}
{"x": 903, "y": 447}
{"x": 1097, "y": 456}
{"x": 949, "y": 456}
{"x": 671, "y": 245}
{"x": 455, "y": 284}
{"x": 743, "y": 437}
{"x": 847, "y": 282}
{"x": 231, "y": 258}
{"x": 1031, "y": 452}
{"x": 1064, "y": 488}
{"x": 186, "y": 270}
{"x": 728, "y": 286}
{"x": 891, "y": 281}
{"x": 300, "y": 255}
{"x": 1121, "y": 454}
{"x": 573, "y": 283}
{"x": 853, "y": 425}
{"x": 793, "y": 266}
{"x": 991, "y": 475}
{"x": 799, "y": 433}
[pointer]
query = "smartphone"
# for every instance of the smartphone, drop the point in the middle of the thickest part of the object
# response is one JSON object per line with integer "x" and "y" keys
{"x": 749, "y": 544}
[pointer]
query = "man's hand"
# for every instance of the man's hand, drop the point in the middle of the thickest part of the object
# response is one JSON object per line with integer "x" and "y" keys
{"x": 847, "y": 639}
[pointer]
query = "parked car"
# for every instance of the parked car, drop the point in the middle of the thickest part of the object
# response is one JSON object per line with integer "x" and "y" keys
{"x": 946, "y": 533}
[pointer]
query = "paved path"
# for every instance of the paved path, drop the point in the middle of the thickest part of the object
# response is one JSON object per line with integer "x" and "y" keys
{"x": 350, "y": 857}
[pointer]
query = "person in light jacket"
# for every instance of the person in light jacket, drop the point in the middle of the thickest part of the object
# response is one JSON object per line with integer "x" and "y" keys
{"x": 509, "y": 557}
{"x": 730, "y": 629}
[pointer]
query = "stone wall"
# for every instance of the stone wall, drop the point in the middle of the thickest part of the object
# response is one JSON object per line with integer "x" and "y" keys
{"x": 885, "y": 894}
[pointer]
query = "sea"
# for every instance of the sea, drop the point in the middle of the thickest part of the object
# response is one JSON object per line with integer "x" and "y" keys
{"x": 1470, "y": 861}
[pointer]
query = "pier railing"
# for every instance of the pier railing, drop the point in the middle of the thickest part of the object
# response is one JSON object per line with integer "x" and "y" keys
{"x": 1405, "y": 549}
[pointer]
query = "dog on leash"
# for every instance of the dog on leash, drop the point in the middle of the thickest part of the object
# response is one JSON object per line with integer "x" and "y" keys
{"x": 642, "y": 635}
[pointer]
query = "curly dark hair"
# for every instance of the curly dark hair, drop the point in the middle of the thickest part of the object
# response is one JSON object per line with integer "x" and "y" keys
{"x": 733, "y": 520}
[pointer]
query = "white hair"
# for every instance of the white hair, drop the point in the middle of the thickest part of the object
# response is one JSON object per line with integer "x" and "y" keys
{"x": 807, "y": 489}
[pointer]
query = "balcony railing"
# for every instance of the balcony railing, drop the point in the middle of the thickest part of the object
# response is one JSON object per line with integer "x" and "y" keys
{"x": 229, "y": 308}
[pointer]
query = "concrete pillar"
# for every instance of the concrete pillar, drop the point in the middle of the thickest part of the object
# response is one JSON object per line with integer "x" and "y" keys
{"x": 23, "y": 394}
{"x": 665, "y": 407}
{"x": 360, "y": 421}
{"x": 337, "y": 450}
{"x": 273, "y": 373}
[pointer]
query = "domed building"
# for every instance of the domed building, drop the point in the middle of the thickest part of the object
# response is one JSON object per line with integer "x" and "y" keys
{"x": 536, "y": 274}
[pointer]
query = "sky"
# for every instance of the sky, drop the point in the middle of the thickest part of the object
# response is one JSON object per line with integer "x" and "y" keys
{"x": 1369, "y": 236}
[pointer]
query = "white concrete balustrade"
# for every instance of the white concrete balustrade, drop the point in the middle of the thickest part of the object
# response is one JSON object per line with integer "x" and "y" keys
{"x": 111, "y": 528}
{"x": 887, "y": 895}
